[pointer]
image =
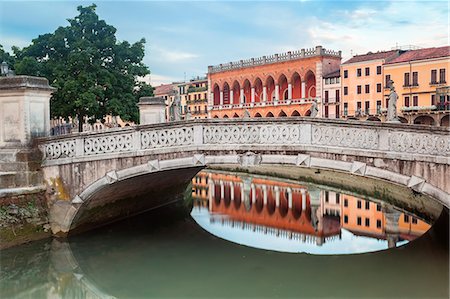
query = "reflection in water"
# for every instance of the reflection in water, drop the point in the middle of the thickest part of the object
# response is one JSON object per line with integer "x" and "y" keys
{"x": 285, "y": 216}
{"x": 165, "y": 254}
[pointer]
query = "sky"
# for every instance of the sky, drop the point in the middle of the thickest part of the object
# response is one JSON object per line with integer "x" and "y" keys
{"x": 184, "y": 37}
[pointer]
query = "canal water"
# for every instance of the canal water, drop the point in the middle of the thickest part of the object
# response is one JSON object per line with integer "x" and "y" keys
{"x": 243, "y": 236}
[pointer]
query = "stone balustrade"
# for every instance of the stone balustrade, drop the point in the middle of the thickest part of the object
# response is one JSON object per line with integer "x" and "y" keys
{"x": 406, "y": 142}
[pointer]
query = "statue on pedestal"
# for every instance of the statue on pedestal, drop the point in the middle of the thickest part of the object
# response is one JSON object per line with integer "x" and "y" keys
{"x": 392, "y": 104}
{"x": 176, "y": 107}
{"x": 314, "y": 109}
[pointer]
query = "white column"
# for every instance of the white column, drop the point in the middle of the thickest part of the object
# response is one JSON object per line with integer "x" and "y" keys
{"x": 253, "y": 194}
{"x": 210, "y": 193}
{"x": 222, "y": 190}
{"x": 289, "y": 91}
{"x": 242, "y": 96}
{"x": 264, "y": 94}
{"x": 242, "y": 192}
{"x": 277, "y": 196}
{"x": 303, "y": 89}
{"x": 289, "y": 190}
{"x": 253, "y": 94}
{"x": 303, "y": 199}
{"x": 221, "y": 98}
{"x": 277, "y": 92}
{"x": 232, "y": 191}
{"x": 265, "y": 195}
{"x": 231, "y": 97}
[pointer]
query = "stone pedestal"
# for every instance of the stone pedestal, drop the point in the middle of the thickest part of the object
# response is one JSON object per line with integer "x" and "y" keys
{"x": 152, "y": 110}
{"x": 24, "y": 110}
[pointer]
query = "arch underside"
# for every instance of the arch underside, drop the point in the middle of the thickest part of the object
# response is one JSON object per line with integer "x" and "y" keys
{"x": 144, "y": 181}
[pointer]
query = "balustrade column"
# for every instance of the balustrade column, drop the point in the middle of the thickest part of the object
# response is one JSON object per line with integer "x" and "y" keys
{"x": 253, "y": 94}
{"x": 221, "y": 98}
{"x": 277, "y": 92}
{"x": 289, "y": 91}
{"x": 264, "y": 94}
{"x": 303, "y": 89}
{"x": 242, "y": 96}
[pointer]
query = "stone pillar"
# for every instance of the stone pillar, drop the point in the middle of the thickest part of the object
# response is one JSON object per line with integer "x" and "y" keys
{"x": 277, "y": 92}
{"x": 253, "y": 94}
{"x": 242, "y": 96}
{"x": 242, "y": 192}
{"x": 264, "y": 93}
{"x": 303, "y": 89}
{"x": 232, "y": 191}
{"x": 231, "y": 96}
{"x": 152, "y": 110}
{"x": 221, "y": 98}
{"x": 289, "y": 91}
{"x": 24, "y": 109}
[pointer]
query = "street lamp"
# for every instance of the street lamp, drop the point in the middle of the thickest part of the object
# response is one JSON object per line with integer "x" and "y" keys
{"x": 4, "y": 69}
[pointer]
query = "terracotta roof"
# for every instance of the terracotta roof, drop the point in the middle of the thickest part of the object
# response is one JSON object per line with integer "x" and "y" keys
{"x": 333, "y": 74}
{"x": 163, "y": 89}
{"x": 372, "y": 56}
{"x": 422, "y": 54}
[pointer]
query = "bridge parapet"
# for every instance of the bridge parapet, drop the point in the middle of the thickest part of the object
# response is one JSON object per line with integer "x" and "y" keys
{"x": 406, "y": 142}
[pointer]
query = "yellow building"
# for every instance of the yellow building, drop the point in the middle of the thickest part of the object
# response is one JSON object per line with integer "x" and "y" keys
{"x": 194, "y": 95}
{"x": 362, "y": 85}
{"x": 420, "y": 79}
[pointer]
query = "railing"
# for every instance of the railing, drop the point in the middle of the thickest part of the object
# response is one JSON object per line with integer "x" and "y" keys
{"x": 291, "y": 55}
{"x": 324, "y": 133}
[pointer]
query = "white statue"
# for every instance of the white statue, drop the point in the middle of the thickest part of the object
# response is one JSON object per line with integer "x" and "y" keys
{"x": 314, "y": 109}
{"x": 176, "y": 106}
{"x": 392, "y": 104}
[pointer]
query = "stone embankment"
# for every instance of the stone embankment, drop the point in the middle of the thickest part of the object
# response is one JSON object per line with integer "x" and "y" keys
{"x": 23, "y": 206}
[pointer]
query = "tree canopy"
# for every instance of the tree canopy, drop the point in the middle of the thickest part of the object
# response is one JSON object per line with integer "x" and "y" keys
{"x": 95, "y": 75}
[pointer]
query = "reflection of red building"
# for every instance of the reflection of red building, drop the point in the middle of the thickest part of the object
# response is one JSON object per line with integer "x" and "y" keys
{"x": 270, "y": 86}
{"x": 275, "y": 207}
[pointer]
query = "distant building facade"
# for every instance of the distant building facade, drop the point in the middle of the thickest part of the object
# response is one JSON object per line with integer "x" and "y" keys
{"x": 279, "y": 85}
{"x": 420, "y": 78}
{"x": 331, "y": 95}
{"x": 363, "y": 85}
{"x": 195, "y": 96}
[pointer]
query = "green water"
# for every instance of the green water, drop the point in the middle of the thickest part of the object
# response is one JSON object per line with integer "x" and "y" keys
{"x": 172, "y": 253}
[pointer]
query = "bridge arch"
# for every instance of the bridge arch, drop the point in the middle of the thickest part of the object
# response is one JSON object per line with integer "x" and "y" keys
{"x": 96, "y": 172}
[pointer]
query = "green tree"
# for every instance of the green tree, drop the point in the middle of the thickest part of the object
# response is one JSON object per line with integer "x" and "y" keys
{"x": 95, "y": 75}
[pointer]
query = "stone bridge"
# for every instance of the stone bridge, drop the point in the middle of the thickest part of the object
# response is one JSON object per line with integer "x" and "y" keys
{"x": 96, "y": 177}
